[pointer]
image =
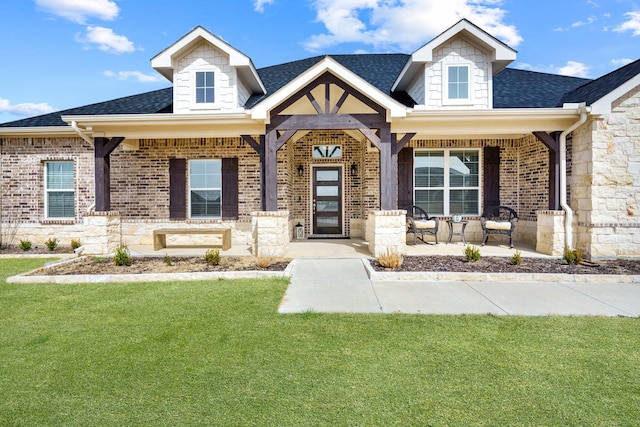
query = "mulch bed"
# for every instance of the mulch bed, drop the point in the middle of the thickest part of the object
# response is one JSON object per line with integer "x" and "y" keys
{"x": 159, "y": 265}
{"x": 440, "y": 263}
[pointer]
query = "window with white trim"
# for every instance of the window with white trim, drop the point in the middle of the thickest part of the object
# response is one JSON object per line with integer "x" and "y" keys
{"x": 205, "y": 188}
{"x": 205, "y": 87}
{"x": 457, "y": 84}
{"x": 447, "y": 182}
{"x": 59, "y": 190}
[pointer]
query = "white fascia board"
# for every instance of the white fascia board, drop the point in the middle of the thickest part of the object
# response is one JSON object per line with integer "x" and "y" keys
{"x": 169, "y": 126}
{"x": 37, "y": 131}
{"x": 164, "y": 61}
{"x": 394, "y": 108}
{"x": 483, "y": 123}
{"x": 603, "y": 105}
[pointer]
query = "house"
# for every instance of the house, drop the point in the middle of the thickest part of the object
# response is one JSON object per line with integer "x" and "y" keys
{"x": 339, "y": 144}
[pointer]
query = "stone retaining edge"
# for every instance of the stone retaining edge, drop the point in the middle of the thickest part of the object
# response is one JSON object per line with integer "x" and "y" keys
{"x": 433, "y": 276}
{"x": 148, "y": 277}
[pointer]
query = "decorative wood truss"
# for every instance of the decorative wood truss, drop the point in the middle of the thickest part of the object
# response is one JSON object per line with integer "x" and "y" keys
{"x": 326, "y": 114}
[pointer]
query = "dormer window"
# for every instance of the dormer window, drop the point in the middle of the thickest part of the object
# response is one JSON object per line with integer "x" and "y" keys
{"x": 205, "y": 87}
{"x": 457, "y": 84}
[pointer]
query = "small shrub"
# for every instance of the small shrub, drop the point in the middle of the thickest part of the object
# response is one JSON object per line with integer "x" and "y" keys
{"x": 25, "y": 245}
{"x": 122, "y": 256}
{"x": 167, "y": 259}
{"x": 572, "y": 256}
{"x": 75, "y": 244}
{"x": 51, "y": 244}
{"x": 212, "y": 256}
{"x": 516, "y": 259}
{"x": 390, "y": 260}
{"x": 263, "y": 261}
{"x": 471, "y": 253}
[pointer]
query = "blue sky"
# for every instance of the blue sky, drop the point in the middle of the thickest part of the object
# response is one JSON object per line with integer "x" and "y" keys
{"x": 59, "y": 54}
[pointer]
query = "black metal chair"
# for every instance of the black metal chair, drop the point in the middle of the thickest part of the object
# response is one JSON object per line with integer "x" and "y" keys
{"x": 420, "y": 223}
{"x": 498, "y": 221}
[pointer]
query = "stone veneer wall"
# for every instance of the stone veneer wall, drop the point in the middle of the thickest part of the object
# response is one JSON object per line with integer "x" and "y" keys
{"x": 606, "y": 181}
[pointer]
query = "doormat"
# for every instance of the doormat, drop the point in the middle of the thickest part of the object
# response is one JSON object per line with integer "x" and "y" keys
{"x": 328, "y": 238}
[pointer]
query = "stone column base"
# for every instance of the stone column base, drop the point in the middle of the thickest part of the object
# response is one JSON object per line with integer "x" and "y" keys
{"x": 387, "y": 232}
{"x": 550, "y": 233}
{"x": 270, "y": 233}
{"x": 102, "y": 233}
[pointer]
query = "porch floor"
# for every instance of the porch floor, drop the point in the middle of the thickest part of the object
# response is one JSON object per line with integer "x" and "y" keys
{"x": 348, "y": 248}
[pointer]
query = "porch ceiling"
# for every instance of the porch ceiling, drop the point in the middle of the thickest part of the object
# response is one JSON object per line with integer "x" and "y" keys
{"x": 169, "y": 126}
{"x": 494, "y": 123}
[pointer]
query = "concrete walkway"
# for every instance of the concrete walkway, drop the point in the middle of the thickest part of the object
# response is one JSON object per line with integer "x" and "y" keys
{"x": 343, "y": 286}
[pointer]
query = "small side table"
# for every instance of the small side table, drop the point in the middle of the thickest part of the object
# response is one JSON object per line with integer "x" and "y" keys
{"x": 463, "y": 224}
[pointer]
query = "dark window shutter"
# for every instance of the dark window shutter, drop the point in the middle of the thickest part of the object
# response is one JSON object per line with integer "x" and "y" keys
{"x": 491, "y": 177}
{"x": 230, "y": 188}
{"x": 177, "y": 188}
{"x": 405, "y": 177}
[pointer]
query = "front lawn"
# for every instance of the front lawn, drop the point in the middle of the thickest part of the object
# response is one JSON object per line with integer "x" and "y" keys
{"x": 217, "y": 353}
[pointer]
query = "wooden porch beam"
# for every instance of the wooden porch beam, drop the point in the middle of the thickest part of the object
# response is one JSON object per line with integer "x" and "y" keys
{"x": 315, "y": 103}
{"x": 399, "y": 145}
{"x": 103, "y": 147}
{"x": 271, "y": 171}
{"x": 552, "y": 142}
{"x": 259, "y": 148}
{"x": 286, "y": 136}
{"x": 340, "y": 102}
{"x": 327, "y": 121}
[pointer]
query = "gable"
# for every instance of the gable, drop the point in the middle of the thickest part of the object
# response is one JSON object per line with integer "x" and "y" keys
{"x": 464, "y": 45}
{"x": 262, "y": 109}
{"x": 200, "y": 50}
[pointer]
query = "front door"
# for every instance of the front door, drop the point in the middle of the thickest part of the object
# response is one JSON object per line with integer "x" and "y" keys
{"x": 327, "y": 200}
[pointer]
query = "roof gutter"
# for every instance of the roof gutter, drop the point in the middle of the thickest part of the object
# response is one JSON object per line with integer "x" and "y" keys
{"x": 568, "y": 231}
{"x": 80, "y": 132}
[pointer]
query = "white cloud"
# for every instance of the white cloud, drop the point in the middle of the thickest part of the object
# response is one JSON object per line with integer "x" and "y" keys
{"x": 79, "y": 11}
{"x": 404, "y": 25}
{"x": 632, "y": 24}
{"x": 575, "y": 69}
{"x": 106, "y": 40}
{"x": 590, "y": 20}
{"x": 258, "y": 5}
{"x": 621, "y": 62}
{"x": 25, "y": 109}
{"x": 137, "y": 75}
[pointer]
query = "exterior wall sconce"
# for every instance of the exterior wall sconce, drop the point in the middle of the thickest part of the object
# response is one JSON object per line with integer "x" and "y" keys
{"x": 354, "y": 169}
{"x": 300, "y": 170}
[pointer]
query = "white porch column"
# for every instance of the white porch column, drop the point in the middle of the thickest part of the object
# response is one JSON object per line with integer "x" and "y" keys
{"x": 102, "y": 233}
{"x": 270, "y": 232}
{"x": 550, "y": 233}
{"x": 387, "y": 232}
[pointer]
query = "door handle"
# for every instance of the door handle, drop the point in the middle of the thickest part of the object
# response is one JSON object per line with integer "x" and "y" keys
{"x": 314, "y": 206}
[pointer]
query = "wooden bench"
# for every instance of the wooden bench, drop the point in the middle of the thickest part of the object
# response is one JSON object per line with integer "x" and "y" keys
{"x": 160, "y": 235}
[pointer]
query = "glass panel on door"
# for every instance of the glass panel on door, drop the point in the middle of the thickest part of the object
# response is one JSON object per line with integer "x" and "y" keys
{"x": 327, "y": 200}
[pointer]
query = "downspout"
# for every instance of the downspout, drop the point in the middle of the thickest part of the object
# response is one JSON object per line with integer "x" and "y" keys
{"x": 80, "y": 132}
{"x": 568, "y": 231}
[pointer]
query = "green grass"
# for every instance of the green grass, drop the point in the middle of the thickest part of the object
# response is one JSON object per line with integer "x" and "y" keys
{"x": 217, "y": 353}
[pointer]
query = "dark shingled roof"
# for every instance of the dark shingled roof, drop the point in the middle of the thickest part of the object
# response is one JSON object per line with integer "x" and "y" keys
{"x": 158, "y": 101}
{"x": 600, "y": 87}
{"x": 381, "y": 70}
{"x": 512, "y": 88}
